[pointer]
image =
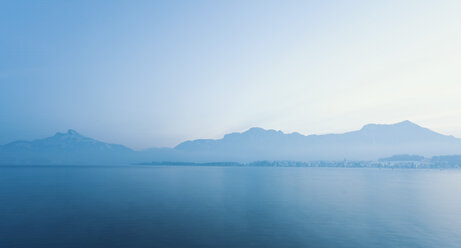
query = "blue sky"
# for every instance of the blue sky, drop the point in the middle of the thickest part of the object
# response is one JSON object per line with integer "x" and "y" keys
{"x": 155, "y": 73}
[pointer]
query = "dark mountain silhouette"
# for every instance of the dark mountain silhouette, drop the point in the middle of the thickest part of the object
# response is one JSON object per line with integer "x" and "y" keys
{"x": 372, "y": 142}
{"x": 64, "y": 148}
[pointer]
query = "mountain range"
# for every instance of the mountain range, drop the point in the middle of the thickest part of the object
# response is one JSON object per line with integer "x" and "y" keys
{"x": 371, "y": 142}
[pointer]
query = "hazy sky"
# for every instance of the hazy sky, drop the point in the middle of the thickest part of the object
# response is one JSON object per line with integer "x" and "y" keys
{"x": 152, "y": 73}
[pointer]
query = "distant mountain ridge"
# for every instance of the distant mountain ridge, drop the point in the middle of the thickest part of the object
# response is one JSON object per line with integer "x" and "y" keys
{"x": 69, "y": 141}
{"x": 371, "y": 142}
{"x": 63, "y": 148}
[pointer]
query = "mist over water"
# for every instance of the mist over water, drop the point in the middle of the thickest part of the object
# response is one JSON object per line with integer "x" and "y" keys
{"x": 146, "y": 206}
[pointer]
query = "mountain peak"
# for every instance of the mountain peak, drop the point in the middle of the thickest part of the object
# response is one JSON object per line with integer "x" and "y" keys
{"x": 261, "y": 131}
{"x": 402, "y": 132}
{"x": 72, "y": 132}
{"x": 405, "y": 123}
{"x": 255, "y": 130}
{"x": 69, "y": 132}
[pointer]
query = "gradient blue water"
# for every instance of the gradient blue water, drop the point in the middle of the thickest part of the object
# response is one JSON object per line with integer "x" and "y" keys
{"x": 228, "y": 207}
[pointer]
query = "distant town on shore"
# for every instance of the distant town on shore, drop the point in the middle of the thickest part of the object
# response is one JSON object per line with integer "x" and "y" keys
{"x": 396, "y": 161}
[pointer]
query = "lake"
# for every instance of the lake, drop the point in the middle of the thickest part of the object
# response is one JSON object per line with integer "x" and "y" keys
{"x": 181, "y": 206}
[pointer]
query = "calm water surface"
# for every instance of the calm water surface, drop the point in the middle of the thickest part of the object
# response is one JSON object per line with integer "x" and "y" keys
{"x": 228, "y": 207}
